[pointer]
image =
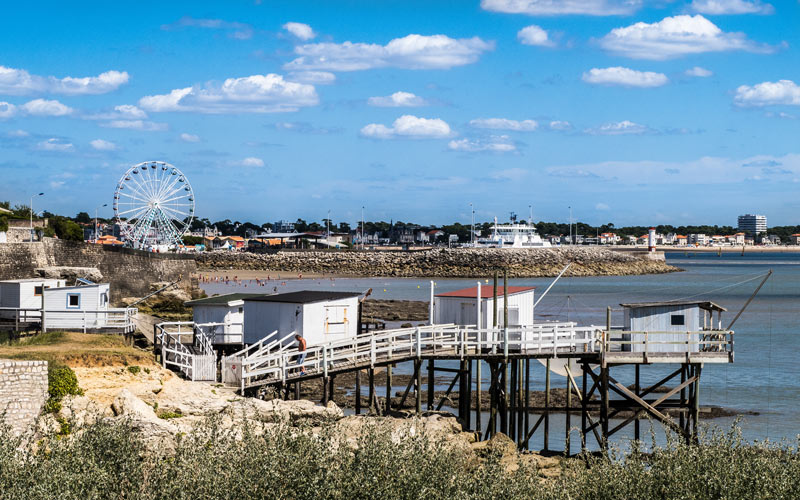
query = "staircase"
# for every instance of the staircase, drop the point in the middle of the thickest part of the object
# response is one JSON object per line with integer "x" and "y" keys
{"x": 196, "y": 360}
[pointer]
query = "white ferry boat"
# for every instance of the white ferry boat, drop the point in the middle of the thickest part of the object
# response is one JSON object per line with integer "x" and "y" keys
{"x": 512, "y": 236}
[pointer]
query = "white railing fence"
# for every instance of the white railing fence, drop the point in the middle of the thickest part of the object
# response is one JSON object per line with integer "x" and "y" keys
{"x": 118, "y": 319}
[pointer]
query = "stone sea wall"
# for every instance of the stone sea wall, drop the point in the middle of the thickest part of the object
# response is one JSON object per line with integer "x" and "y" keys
{"x": 451, "y": 263}
{"x": 23, "y": 392}
{"x": 129, "y": 271}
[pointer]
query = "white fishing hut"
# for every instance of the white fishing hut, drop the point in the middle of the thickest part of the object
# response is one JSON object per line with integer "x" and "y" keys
{"x": 655, "y": 322}
{"x": 318, "y": 316}
{"x": 221, "y": 317}
{"x": 461, "y": 306}
{"x": 83, "y": 306}
{"x": 24, "y": 294}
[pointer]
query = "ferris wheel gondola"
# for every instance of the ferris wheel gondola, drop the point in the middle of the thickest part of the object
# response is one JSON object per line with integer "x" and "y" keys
{"x": 154, "y": 204}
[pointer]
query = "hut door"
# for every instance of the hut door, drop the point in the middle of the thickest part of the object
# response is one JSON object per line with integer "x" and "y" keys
{"x": 336, "y": 319}
{"x": 468, "y": 314}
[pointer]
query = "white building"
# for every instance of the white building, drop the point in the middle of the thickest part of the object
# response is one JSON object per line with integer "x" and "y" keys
{"x": 658, "y": 319}
{"x": 221, "y": 317}
{"x": 24, "y": 294}
{"x": 83, "y": 306}
{"x": 753, "y": 225}
{"x": 461, "y": 306}
{"x": 317, "y": 316}
{"x": 697, "y": 239}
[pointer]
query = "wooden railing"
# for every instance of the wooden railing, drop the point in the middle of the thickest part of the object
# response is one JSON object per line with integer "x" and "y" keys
{"x": 119, "y": 319}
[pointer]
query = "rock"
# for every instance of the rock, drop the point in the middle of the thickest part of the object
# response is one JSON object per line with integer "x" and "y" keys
{"x": 79, "y": 411}
{"x": 296, "y": 412}
{"x": 126, "y": 404}
{"x": 70, "y": 273}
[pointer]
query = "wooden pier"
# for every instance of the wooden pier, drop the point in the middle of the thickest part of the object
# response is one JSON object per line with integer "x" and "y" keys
{"x": 508, "y": 352}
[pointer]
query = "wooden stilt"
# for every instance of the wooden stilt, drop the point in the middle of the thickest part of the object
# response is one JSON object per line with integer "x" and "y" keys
{"x": 584, "y": 409}
{"x": 358, "y": 392}
{"x": 388, "y": 407}
{"x": 325, "y": 390}
{"x": 503, "y": 410}
{"x": 604, "y": 406}
{"x": 297, "y": 391}
{"x": 568, "y": 419}
{"x": 696, "y": 405}
{"x": 478, "y": 402}
{"x": 418, "y": 386}
{"x": 682, "y": 418}
{"x": 527, "y": 400}
{"x": 637, "y": 389}
{"x": 547, "y": 407}
{"x": 512, "y": 410}
{"x": 331, "y": 386}
{"x": 431, "y": 383}
{"x": 371, "y": 401}
{"x": 468, "y": 395}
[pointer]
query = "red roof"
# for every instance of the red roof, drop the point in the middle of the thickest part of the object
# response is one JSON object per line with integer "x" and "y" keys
{"x": 486, "y": 292}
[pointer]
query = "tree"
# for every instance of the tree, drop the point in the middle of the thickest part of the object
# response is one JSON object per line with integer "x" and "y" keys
{"x": 66, "y": 229}
{"x": 83, "y": 218}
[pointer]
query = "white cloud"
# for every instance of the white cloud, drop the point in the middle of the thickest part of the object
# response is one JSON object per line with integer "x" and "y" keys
{"x": 240, "y": 31}
{"x": 102, "y": 145}
{"x": 18, "y": 133}
{"x": 7, "y": 110}
{"x": 699, "y": 72}
{"x": 398, "y": 100}
{"x": 409, "y": 126}
{"x": 625, "y": 77}
{"x": 251, "y": 162}
{"x": 122, "y": 112}
{"x": 43, "y": 107}
{"x": 20, "y": 82}
{"x": 251, "y": 94}
{"x": 534, "y": 35}
{"x": 624, "y": 127}
{"x": 144, "y": 125}
{"x": 602, "y": 206}
{"x": 189, "y": 137}
{"x": 675, "y": 37}
{"x": 560, "y": 125}
{"x": 410, "y": 52}
{"x": 719, "y": 7}
{"x": 56, "y": 145}
{"x": 784, "y": 92}
{"x": 494, "y": 144}
{"x": 563, "y": 7}
{"x": 312, "y": 77}
{"x": 505, "y": 124}
{"x": 300, "y": 30}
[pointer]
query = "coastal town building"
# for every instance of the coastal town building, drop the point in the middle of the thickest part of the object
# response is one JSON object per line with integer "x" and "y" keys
{"x": 753, "y": 225}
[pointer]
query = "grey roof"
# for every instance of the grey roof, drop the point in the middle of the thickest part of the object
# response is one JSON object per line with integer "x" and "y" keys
{"x": 303, "y": 297}
{"x": 702, "y": 304}
{"x": 220, "y": 299}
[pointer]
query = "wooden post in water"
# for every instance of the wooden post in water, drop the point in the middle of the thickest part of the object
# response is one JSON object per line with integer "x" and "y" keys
{"x": 504, "y": 397}
{"x": 682, "y": 418}
{"x": 521, "y": 409}
{"x": 492, "y": 399}
{"x": 568, "y": 419}
{"x": 512, "y": 411}
{"x": 584, "y": 410}
{"x": 358, "y": 392}
{"x": 527, "y": 399}
{"x": 547, "y": 406}
{"x": 604, "y": 406}
{"x": 468, "y": 386}
{"x": 371, "y": 403}
{"x": 418, "y": 385}
{"x": 696, "y": 407}
{"x": 636, "y": 390}
{"x": 388, "y": 389}
{"x": 478, "y": 409}
{"x": 431, "y": 383}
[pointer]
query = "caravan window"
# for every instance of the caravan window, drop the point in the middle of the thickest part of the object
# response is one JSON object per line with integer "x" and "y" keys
{"x": 37, "y": 290}
{"x": 677, "y": 320}
{"x": 103, "y": 299}
{"x": 73, "y": 301}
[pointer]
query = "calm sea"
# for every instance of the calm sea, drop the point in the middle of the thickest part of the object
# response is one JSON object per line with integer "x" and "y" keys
{"x": 765, "y": 377}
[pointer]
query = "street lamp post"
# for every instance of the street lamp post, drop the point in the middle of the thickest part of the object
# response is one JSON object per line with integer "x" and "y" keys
{"x": 362, "y": 228}
{"x": 570, "y": 225}
{"x": 328, "y": 237}
{"x": 95, "y": 219}
{"x": 31, "y": 207}
{"x": 472, "y": 229}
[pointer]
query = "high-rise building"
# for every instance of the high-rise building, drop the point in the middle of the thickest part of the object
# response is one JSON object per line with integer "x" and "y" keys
{"x": 753, "y": 224}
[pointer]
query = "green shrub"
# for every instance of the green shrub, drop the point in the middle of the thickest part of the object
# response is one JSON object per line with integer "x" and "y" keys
{"x": 134, "y": 369}
{"x": 61, "y": 381}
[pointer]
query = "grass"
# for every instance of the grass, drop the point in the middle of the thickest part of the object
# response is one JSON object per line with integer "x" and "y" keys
{"x": 111, "y": 461}
{"x": 77, "y": 349}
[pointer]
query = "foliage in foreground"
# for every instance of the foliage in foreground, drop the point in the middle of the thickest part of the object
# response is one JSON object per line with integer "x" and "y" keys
{"x": 108, "y": 461}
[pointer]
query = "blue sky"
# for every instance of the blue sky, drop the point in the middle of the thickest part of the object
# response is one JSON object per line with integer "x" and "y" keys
{"x": 629, "y": 111}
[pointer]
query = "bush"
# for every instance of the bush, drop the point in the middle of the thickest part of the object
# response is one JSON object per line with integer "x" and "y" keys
{"x": 61, "y": 381}
{"x": 134, "y": 369}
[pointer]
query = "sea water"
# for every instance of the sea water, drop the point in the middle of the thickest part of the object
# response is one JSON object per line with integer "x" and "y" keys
{"x": 765, "y": 377}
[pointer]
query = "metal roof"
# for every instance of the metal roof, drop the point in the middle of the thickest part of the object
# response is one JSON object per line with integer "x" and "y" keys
{"x": 702, "y": 304}
{"x": 220, "y": 299}
{"x": 304, "y": 297}
{"x": 486, "y": 292}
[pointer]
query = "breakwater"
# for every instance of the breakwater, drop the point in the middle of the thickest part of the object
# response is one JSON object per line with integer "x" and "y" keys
{"x": 449, "y": 263}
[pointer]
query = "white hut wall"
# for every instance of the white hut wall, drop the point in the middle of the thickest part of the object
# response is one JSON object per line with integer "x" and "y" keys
{"x": 262, "y": 318}
{"x": 660, "y": 319}
{"x": 330, "y": 320}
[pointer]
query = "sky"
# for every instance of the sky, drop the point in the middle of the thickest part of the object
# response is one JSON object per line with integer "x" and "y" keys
{"x": 635, "y": 112}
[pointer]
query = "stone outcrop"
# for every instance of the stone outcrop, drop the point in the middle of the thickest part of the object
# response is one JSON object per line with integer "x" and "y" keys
{"x": 70, "y": 273}
{"x": 450, "y": 263}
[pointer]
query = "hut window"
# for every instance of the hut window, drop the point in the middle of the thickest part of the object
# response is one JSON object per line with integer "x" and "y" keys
{"x": 241, "y": 310}
{"x": 677, "y": 320}
{"x": 73, "y": 300}
{"x": 37, "y": 291}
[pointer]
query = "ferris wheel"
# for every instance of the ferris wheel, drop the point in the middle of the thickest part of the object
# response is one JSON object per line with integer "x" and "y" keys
{"x": 154, "y": 205}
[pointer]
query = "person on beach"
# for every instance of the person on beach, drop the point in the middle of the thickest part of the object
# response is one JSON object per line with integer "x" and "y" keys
{"x": 301, "y": 347}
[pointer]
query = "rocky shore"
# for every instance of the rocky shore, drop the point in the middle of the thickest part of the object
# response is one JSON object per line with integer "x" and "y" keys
{"x": 444, "y": 263}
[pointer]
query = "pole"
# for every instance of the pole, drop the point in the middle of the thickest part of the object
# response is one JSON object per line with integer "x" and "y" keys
{"x": 362, "y": 228}
{"x": 430, "y": 305}
{"x": 750, "y": 299}
{"x": 472, "y": 231}
{"x": 388, "y": 389}
{"x": 570, "y": 225}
